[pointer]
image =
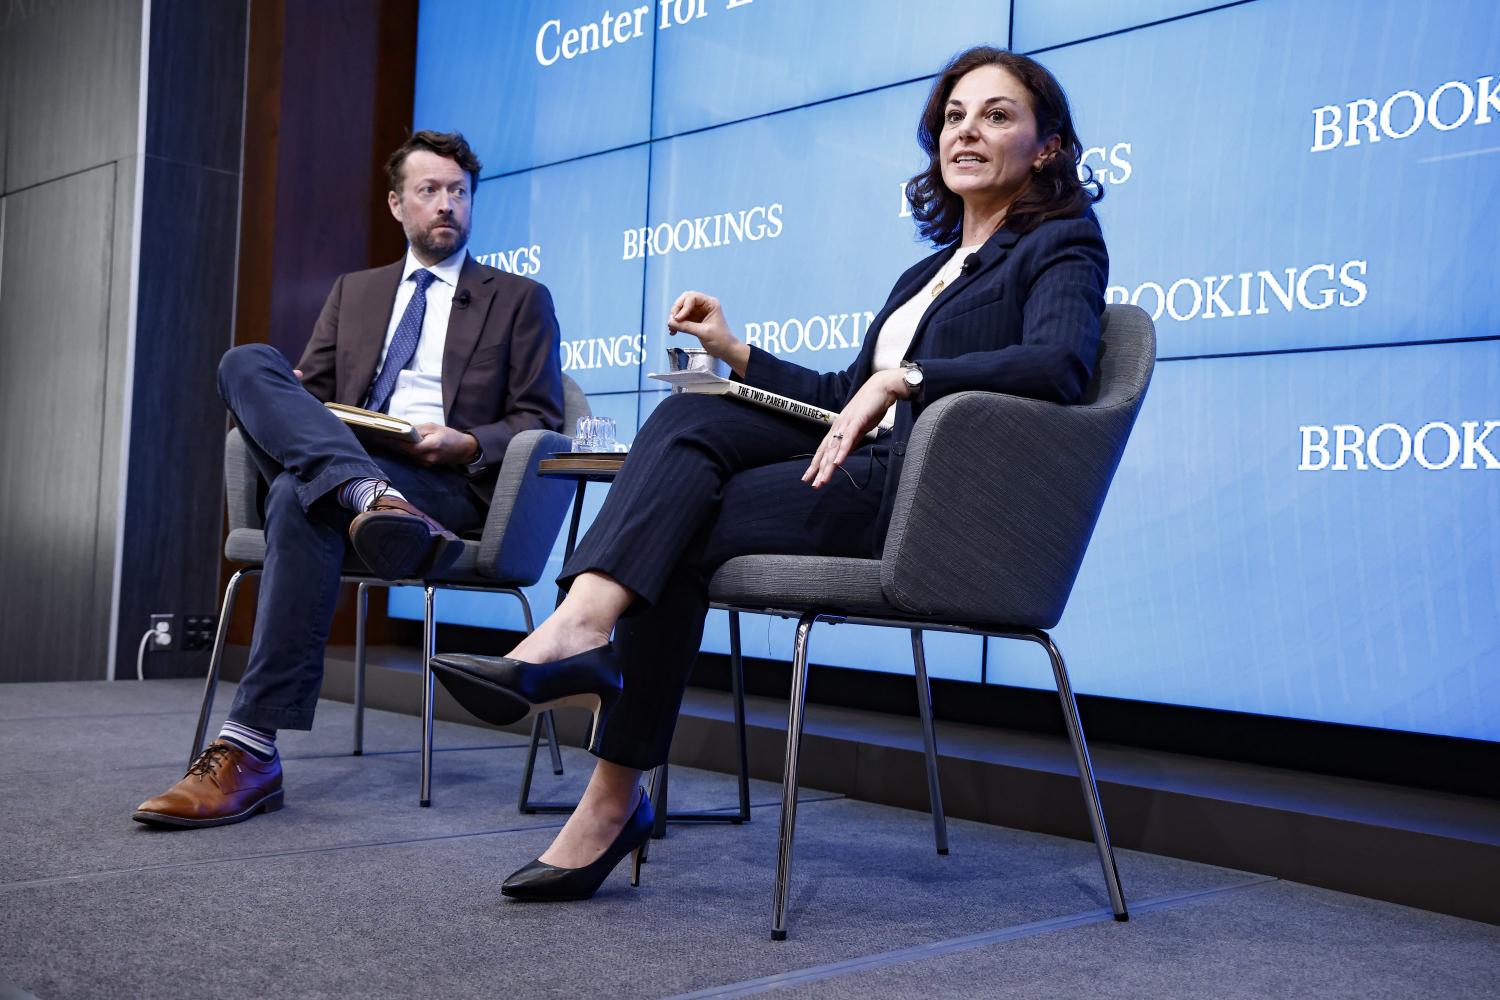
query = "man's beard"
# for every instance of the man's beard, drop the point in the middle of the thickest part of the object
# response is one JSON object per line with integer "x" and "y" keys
{"x": 439, "y": 243}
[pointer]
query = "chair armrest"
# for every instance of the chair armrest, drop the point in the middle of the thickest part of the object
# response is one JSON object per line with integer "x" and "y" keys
{"x": 526, "y": 511}
{"x": 998, "y": 498}
{"x": 241, "y": 483}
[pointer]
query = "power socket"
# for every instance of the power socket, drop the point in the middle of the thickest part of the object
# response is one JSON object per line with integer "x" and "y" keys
{"x": 164, "y": 629}
{"x": 197, "y": 632}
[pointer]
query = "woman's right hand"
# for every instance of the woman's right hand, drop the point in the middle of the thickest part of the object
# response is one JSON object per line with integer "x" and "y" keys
{"x": 702, "y": 316}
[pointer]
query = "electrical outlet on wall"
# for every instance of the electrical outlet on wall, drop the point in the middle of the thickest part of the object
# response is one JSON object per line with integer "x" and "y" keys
{"x": 164, "y": 629}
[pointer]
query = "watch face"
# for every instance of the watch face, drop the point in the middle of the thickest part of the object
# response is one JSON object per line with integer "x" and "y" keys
{"x": 913, "y": 376}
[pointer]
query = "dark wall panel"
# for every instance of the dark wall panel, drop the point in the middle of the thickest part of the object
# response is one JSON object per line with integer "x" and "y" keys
{"x": 54, "y": 326}
{"x": 196, "y": 82}
{"x": 175, "y": 503}
{"x": 184, "y": 323}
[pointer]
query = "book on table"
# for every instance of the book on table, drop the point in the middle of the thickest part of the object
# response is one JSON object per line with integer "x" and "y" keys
{"x": 581, "y": 463}
{"x": 375, "y": 427}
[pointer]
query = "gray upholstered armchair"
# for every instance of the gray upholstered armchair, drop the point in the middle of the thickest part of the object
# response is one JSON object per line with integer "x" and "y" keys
{"x": 997, "y": 501}
{"x": 510, "y": 553}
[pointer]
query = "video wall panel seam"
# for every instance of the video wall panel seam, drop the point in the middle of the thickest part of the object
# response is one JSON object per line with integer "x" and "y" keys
{"x": 1161, "y": 359}
{"x": 654, "y": 140}
{"x": 1127, "y": 29}
{"x": 646, "y": 221}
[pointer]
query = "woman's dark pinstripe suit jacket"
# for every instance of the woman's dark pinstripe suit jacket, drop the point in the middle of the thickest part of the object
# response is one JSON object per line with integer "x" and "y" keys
{"x": 1025, "y": 321}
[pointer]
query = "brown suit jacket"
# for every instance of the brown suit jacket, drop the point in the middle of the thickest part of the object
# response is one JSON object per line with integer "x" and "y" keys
{"x": 502, "y": 370}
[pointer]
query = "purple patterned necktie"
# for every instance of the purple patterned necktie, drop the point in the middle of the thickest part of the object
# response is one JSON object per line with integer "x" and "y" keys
{"x": 403, "y": 344}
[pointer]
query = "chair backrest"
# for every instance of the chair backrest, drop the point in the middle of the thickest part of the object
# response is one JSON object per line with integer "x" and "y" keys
{"x": 1127, "y": 356}
{"x": 575, "y": 405}
{"x": 999, "y": 494}
{"x": 241, "y": 483}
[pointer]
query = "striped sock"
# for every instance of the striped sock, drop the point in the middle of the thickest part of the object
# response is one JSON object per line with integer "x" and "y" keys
{"x": 261, "y": 743}
{"x": 358, "y": 494}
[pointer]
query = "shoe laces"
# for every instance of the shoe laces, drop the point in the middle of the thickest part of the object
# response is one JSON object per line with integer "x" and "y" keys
{"x": 207, "y": 762}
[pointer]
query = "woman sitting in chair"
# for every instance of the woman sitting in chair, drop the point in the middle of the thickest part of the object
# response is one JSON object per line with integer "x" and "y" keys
{"x": 1011, "y": 303}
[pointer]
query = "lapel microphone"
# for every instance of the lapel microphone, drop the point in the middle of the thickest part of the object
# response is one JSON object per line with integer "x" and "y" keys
{"x": 461, "y": 300}
{"x": 971, "y": 264}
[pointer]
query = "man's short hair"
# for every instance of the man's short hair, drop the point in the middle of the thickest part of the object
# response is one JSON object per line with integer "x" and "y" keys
{"x": 451, "y": 145}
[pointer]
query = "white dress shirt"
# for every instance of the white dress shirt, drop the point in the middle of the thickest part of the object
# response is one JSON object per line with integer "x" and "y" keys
{"x": 418, "y": 395}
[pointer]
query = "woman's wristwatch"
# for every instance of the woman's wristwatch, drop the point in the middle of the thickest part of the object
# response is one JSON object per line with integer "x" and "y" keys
{"x": 912, "y": 376}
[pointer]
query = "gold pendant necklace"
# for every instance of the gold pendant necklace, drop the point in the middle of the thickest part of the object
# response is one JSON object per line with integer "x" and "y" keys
{"x": 938, "y": 288}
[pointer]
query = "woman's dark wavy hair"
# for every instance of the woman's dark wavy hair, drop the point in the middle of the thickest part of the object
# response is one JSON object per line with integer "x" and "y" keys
{"x": 1056, "y": 192}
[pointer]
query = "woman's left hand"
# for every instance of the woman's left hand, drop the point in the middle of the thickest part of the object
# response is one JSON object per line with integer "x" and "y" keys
{"x": 860, "y": 414}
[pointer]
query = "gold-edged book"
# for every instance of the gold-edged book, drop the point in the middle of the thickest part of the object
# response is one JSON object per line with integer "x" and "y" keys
{"x": 581, "y": 463}
{"x": 708, "y": 383}
{"x": 372, "y": 426}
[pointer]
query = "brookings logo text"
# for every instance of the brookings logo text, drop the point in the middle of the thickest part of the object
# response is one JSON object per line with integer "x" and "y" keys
{"x": 1403, "y": 114}
{"x": 1248, "y": 293}
{"x": 1434, "y": 445}
{"x": 763, "y": 222}
{"x": 525, "y": 261}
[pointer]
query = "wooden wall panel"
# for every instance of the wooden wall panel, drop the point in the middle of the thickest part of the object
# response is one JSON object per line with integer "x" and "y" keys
{"x": 313, "y": 205}
{"x": 348, "y": 72}
{"x": 55, "y": 264}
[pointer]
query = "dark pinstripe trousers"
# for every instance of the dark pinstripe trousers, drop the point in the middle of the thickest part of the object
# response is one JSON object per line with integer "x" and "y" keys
{"x": 708, "y": 479}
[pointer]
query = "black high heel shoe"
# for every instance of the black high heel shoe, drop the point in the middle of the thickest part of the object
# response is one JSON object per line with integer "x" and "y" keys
{"x": 541, "y": 882}
{"x": 501, "y": 690}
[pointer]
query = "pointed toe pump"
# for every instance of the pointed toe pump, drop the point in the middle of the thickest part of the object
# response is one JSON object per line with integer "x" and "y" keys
{"x": 541, "y": 882}
{"x": 501, "y": 690}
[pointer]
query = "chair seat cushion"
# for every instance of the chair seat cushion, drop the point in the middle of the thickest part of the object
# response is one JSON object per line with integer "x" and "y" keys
{"x": 795, "y": 583}
{"x": 248, "y": 545}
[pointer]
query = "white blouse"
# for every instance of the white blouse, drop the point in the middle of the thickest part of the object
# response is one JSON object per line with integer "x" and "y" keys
{"x": 901, "y": 326}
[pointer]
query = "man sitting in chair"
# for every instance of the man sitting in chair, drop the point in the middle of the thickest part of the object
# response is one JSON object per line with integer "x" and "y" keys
{"x": 466, "y": 353}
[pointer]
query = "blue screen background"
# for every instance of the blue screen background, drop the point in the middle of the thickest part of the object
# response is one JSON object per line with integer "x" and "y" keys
{"x": 1358, "y": 282}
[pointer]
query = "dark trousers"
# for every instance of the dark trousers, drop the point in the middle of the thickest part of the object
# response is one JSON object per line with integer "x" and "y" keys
{"x": 304, "y": 453}
{"x": 708, "y": 479}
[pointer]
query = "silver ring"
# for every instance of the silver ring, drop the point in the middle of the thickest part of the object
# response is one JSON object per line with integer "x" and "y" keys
{"x": 839, "y": 436}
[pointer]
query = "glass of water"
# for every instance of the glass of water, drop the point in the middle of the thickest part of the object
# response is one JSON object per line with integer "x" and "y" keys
{"x": 594, "y": 434}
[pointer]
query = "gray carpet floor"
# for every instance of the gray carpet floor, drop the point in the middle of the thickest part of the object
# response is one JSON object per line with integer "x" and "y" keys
{"x": 353, "y": 890}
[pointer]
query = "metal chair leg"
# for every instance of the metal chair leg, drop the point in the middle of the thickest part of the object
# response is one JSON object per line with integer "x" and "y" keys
{"x": 551, "y": 725}
{"x": 361, "y": 617}
{"x": 216, "y": 659}
{"x": 737, "y": 686}
{"x": 429, "y": 650}
{"x": 651, "y": 793}
{"x": 1086, "y": 776}
{"x": 659, "y": 800}
{"x": 523, "y": 800}
{"x": 929, "y": 742}
{"x": 557, "y": 764}
{"x": 789, "y": 774}
{"x": 543, "y": 721}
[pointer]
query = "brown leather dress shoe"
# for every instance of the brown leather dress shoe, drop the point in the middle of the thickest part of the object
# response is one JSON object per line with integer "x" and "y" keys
{"x": 399, "y": 542}
{"x": 224, "y": 785}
